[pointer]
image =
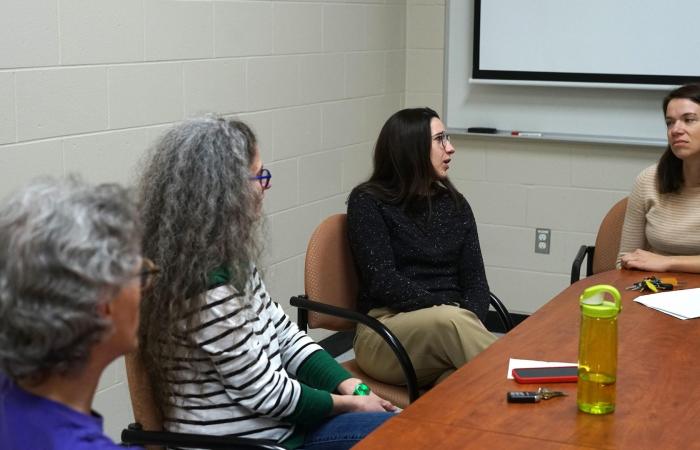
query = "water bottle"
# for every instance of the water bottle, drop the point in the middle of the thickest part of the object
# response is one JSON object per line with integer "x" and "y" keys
{"x": 597, "y": 354}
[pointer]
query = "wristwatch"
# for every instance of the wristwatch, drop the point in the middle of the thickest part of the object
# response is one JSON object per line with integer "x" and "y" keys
{"x": 361, "y": 389}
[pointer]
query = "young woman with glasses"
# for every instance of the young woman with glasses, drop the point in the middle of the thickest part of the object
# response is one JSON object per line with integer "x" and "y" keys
{"x": 415, "y": 244}
{"x": 71, "y": 275}
{"x": 224, "y": 358}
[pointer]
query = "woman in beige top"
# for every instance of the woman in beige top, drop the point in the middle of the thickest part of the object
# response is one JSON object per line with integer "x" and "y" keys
{"x": 661, "y": 232}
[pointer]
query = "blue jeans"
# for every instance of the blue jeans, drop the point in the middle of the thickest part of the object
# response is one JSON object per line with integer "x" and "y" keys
{"x": 344, "y": 430}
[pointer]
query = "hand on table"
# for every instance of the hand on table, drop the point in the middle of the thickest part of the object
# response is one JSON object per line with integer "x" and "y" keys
{"x": 645, "y": 260}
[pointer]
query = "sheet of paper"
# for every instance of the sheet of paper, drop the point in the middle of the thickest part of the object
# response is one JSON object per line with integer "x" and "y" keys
{"x": 683, "y": 304}
{"x": 527, "y": 363}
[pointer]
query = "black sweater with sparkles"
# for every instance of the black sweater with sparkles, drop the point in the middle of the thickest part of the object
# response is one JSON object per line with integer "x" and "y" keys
{"x": 409, "y": 260}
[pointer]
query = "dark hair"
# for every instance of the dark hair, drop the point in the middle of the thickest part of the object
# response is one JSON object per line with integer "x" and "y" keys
{"x": 403, "y": 171}
{"x": 669, "y": 172}
{"x": 251, "y": 140}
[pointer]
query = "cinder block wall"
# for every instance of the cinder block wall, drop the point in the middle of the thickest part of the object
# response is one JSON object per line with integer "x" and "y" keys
{"x": 87, "y": 85}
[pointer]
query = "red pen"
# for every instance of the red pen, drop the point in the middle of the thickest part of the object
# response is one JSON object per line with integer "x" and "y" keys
{"x": 525, "y": 133}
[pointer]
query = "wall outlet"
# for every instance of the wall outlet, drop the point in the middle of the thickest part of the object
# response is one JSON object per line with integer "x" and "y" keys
{"x": 542, "y": 240}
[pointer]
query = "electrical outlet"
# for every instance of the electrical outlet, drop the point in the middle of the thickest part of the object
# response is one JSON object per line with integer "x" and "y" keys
{"x": 542, "y": 240}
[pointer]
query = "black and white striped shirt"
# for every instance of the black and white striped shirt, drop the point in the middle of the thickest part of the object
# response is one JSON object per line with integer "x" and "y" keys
{"x": 235, "y": 373}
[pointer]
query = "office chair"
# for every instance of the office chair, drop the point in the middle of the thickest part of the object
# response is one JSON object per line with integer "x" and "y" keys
{"x": 148, "y": 428}
{"x": 603, "y": 255}
{"x": 330, "y": 302}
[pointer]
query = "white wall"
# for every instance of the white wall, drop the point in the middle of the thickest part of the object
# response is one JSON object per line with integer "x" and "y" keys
{"x": 87, "y": 85}
{"x": 515, "y": 187}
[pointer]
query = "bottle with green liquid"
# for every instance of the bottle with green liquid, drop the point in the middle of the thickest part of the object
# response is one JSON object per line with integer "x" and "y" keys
{"x": 597, "y": 355}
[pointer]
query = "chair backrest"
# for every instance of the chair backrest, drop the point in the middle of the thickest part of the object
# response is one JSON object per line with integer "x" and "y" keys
{"x": 142, "y": 400}
{"x": 607, "y": 243}
{"x": 329, "y": 272}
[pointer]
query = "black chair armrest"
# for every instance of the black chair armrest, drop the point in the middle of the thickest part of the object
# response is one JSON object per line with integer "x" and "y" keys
{"x": 502, "y": 312}
{"x": 135, "y": 435}
{"x": 583, "y": 252}
{"x": 303, "y": 302}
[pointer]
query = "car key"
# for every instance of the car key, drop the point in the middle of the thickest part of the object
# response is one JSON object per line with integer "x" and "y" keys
{"x": 532, "y": 396}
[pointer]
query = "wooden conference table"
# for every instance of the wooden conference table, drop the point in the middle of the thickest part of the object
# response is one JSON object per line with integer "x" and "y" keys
{"x": 658, "y": 386}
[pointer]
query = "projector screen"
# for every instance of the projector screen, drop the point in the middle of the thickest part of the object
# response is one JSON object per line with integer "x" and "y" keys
{"x": 571, "y": 111}
{"x": 587, "y": 41}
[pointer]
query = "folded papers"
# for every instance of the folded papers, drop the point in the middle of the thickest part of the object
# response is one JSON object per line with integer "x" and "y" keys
{"x": 683, "y": 304}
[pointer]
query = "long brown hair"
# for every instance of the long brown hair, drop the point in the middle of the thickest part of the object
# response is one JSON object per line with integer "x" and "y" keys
{"x": 403, "y": 171}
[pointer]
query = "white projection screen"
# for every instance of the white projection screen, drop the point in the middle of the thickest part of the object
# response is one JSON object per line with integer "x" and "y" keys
{"x": 597, "y": 41}
{"x": 574, "y": 70}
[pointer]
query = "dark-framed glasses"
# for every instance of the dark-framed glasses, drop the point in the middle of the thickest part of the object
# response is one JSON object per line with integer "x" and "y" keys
{"x": 147, "y": 274}
{"x": 442, "y": 138}
{"x": 264, "y": 177}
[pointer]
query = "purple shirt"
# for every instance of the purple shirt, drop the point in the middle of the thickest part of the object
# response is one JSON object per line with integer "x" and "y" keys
{"x": 31, "y": 422}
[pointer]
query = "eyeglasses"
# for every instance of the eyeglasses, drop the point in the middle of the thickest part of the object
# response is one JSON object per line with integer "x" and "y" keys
{"x": 442, "y": 138}
{"x": 264, "y": 177}
{"x": 147, "y": 273}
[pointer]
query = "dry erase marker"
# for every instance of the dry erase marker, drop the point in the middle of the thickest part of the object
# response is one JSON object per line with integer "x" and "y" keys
{"x": 525, "y": 133}
{"x": 482, "y": 130}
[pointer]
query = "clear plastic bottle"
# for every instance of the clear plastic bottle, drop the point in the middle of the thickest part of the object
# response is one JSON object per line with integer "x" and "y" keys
{"x": 597, "y": 355}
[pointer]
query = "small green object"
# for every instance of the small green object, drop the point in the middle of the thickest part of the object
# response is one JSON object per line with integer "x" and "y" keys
{"x": 361, "y": 389}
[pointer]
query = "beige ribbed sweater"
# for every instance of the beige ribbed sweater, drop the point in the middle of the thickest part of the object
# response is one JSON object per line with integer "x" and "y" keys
{"x": 666, "y": 224}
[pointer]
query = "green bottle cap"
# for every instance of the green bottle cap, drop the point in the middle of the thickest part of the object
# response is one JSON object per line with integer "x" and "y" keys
{"x": 361, "y": 389}
{"x": 593, "y": 303}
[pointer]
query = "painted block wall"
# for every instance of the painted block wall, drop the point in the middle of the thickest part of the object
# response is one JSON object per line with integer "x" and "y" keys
{"x": 86, "y": 86}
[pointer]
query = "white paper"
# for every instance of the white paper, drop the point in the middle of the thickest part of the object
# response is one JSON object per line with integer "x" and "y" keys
{"x": 683, "y": 304}
{"x": 527, "y": 363}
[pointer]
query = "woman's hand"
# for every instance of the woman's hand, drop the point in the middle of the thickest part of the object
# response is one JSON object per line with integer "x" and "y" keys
{"x": 645, "y": 260}
{"x": 386, "y": 404}
{"x": 360, "y": 403}
{"x": 347, "y": 387}
{"x": 347, "y": 402}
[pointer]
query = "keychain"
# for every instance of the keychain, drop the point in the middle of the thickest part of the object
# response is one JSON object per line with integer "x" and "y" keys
{"x": 533, "y": 396}
{"x": 653, "y": 284}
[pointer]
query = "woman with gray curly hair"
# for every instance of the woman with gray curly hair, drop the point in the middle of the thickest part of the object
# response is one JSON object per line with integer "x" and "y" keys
{"x": 70, "y": 264}
{"x": 223, "y": 357}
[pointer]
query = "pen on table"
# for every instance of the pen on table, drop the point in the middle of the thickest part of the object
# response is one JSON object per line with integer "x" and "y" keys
{"x": 526, "y": 133}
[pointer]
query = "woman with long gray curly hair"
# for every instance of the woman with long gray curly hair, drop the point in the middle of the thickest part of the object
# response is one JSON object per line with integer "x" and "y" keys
{"x": 70, "y": 263}
{"x": 223, "y": 358}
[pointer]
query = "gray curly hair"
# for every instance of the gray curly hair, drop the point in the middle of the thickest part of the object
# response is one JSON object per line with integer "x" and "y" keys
{"x": 65, "y": 247}
{"x": 200, "y": 212}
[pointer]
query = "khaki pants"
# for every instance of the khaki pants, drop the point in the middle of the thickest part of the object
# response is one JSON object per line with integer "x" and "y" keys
{"x": 438, "y": 340}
